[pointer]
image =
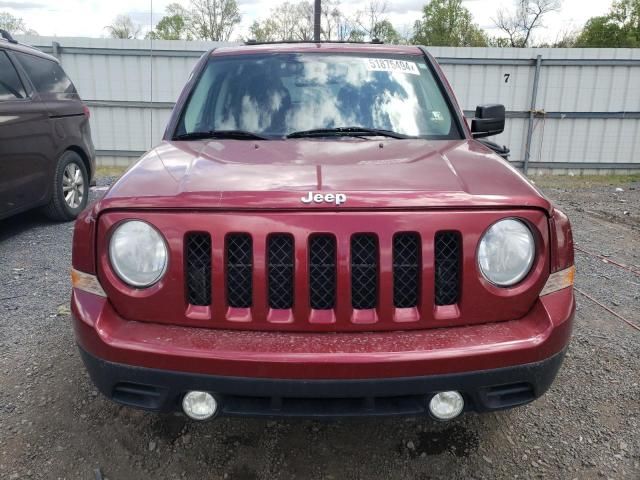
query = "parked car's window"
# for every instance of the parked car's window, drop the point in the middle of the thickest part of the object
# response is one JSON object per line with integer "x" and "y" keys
{"x": 10, "y": 85}
{"x": 46, "y": 75}
{"x": 285, "y": 93}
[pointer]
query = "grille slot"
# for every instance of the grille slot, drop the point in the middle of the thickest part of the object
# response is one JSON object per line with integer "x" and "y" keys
{"x": 239, "y": 270}
{"x": 322, "y": 272}
{"x": 406, "y": 270}
{"x": 280, "y": 264}
{"x": 198, "y": 266}
{"x": 364, "y": 271}
{"x": 447, "y": 265}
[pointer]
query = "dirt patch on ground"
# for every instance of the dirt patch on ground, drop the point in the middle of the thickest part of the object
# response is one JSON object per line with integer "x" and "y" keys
{"x": 54, "y": 424}
{"x": 609, "y": 198}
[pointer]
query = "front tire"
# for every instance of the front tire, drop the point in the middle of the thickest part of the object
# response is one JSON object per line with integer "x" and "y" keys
{"x": 70, "y": 189}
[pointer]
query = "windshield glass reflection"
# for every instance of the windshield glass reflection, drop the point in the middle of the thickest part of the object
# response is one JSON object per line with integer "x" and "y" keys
{"x": 284, "y": 93}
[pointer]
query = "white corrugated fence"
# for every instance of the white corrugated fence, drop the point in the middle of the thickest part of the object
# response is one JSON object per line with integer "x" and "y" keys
{"x": 582, "y": 114}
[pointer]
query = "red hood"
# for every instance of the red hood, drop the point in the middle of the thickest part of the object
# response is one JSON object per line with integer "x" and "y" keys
{"x": 233, "y": 174}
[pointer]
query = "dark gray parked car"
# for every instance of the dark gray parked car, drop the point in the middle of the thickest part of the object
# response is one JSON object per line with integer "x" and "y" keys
{"x": 47, "y": 158}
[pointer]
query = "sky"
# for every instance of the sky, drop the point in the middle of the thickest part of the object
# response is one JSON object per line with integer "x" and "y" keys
{"x": 87, "y": 18}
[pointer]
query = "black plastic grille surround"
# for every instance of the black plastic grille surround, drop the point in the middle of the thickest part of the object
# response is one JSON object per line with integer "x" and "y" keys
{"x": 364, "y": 271}
{"x": 198, "y": 268}
{"x": 239, "y": 270}
{"x": 280, "y": 266}
{"x": 406, "y": 270}
{"x": 447, "y": 265}
{"x": 322, "y": 272}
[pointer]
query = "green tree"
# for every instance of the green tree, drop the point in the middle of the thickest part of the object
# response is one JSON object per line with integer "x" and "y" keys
{"x": 499, "y": 42}
{"x": 620, "y": 28}
{"x": 448, "y": 23}
{"x": 356, "y": 35}
{"x": 384, "y": 30}
{"x": 14, "y": 24}
{"x": 264, "y": 31}
{"x": 173, "y": 26}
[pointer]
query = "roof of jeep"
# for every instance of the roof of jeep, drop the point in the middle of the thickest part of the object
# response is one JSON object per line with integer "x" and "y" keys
{"x": 327, "y": 47}
{"x": 19, "y": 47}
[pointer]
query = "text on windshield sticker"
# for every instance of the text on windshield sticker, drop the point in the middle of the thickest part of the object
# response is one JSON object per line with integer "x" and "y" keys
{"x": 388, "y": 65}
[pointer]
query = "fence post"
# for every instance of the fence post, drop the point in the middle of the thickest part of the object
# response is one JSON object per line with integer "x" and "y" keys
{"x": 55, "y": 49}
{"x": 534, "y": 96}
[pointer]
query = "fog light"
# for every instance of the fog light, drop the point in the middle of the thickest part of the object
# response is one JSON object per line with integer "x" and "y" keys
{"x": 446, "y": 405}
{"x": 199, "y": 405}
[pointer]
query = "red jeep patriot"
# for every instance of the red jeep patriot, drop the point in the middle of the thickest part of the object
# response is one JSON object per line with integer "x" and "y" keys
{"x": 320, "y": 234}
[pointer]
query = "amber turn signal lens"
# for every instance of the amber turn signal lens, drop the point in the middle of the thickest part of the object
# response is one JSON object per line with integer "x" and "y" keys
{"x": 559, "y": 280}
{"x": 86, "y": 282}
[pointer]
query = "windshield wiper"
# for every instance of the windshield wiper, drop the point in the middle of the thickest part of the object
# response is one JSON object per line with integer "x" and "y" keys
{"x": 221, "y": 134}
{"x": 348, "y": 131}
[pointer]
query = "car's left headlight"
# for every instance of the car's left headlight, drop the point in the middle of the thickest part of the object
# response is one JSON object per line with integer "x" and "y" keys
{"x": 138, "y": 253}
{"x": 506, "y": 252}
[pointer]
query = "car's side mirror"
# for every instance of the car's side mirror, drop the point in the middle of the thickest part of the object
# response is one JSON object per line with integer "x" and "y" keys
{"x": 488, "y": 121}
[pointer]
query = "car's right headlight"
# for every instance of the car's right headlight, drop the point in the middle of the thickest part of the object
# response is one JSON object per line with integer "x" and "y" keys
{"x": 506, "y": 252}
{"x": 138, "y": 253}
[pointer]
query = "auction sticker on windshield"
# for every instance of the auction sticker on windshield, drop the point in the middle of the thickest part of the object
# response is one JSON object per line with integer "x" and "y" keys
{"x": 389, "y": 65}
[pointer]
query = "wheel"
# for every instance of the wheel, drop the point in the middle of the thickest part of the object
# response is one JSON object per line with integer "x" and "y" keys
{"x": 70, "y": 189}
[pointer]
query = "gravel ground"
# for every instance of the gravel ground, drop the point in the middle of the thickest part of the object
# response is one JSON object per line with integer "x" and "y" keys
{"x": 53, "y": 423}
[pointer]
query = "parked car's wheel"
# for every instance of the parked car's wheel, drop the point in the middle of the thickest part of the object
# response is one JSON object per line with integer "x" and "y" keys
{"x": 70, "y": 188}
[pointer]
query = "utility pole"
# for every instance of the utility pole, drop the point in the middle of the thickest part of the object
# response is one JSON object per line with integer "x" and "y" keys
{"x": 316, "y": 21}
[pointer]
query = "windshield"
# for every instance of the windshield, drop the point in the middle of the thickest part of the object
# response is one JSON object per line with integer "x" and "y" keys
{"x": 283, "y": 94}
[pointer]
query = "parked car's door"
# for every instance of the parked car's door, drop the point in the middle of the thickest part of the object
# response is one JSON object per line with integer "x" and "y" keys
{"x": 25, "y": 142}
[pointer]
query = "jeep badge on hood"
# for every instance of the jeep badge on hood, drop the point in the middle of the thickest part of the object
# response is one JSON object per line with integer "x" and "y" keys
{"x": 337, "y": 198}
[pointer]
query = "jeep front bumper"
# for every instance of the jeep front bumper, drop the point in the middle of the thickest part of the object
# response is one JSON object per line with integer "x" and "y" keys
{"x": 494, "y": 366}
